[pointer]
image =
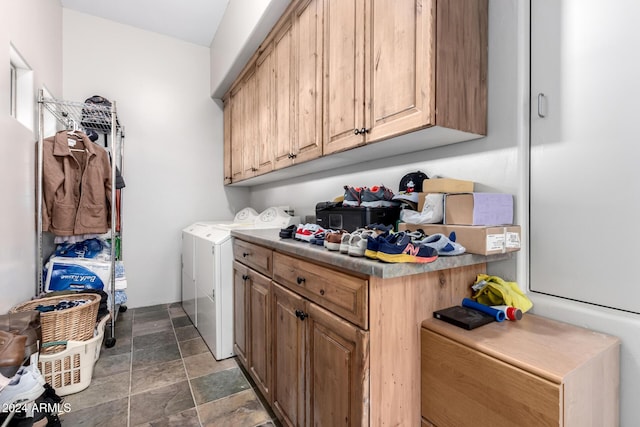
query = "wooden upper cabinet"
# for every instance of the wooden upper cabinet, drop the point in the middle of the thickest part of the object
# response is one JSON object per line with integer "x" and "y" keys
{"x": 283, "y": 94}
{"x": 227, "y": 140}
{"x": 337, "y": 74}
{"x": 251, "y": 132}
{"x": 237, "y": 131}
{"x": 397, "y": 66}
{"x": 307, "y": 61}
{"x": 400, "y": 67}
{"x": 264, "y": 112}
{"x": 344, "y": 97}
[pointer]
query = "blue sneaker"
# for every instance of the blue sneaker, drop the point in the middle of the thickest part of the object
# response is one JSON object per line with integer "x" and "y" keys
{"x": 405, "y": 250}
{"x": 393, "y": 238}
{"x": 443, "y": 244}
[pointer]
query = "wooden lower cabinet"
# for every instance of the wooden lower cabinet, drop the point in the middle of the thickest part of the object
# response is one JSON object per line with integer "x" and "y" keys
{"x": 320, "y": 365}
{"x": 240, "y": 312}
{"x": 331, "y": 347}
{"x": 288, "y": 357}
{"x": 534, "y": 372}
{"x": 259, "y": 365}
{"x": 252, "y": 324}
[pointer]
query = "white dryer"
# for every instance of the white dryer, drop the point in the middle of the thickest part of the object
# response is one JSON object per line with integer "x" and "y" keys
{"x": 207, "y": 273}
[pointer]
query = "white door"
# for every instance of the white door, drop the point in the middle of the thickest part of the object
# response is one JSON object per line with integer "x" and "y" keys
{"x": 585, "y": 174}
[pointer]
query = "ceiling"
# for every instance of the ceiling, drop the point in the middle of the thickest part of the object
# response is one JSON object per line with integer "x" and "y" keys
{"x": 193, "y": 21}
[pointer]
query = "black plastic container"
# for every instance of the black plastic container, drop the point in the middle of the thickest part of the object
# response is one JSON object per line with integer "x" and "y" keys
{"x": 338, "y": 217}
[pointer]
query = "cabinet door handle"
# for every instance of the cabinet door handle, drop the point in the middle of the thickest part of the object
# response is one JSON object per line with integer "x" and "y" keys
{"x": 301, "y": 314}
{"x": 300, "y": 280}
{"x": 245, "y": 277}
{"x": 361, "y": 130}
{"x": 541, "y": 107}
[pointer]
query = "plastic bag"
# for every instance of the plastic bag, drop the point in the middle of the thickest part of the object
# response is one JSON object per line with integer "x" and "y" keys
{"x": 493, "y": 290}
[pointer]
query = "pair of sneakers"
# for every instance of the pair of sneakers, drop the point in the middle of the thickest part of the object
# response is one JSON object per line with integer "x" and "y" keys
{"x": 355, "y": 244}
{"x": 305, "y": 232}
{"x": 374, "y": 197}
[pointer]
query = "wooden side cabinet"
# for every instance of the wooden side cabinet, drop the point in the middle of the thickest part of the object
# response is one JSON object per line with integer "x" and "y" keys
{"x": 533, "y": 372}
{"x": 318, "y": 355}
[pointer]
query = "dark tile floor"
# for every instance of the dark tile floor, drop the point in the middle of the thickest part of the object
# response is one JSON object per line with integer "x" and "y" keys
{"x": 161, "y": 373}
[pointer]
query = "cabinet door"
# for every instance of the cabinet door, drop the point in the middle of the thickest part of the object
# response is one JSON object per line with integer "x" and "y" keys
{"x": 264, "y": 141}
{"x": 227, "y": 141}
{"x": 400, "y": 77}
{"x": 237, "y": 132}
{"x": 288, "y": 356}
{"x": 307, "y": 41}
{"x": 241, "y": 324}
{"x": 338, "y": 371}
{"x": 250, "y": 125}
{"x": 344, "y": 103}
{"x": 283, "y": 93}
{"x": 260, "y": 332}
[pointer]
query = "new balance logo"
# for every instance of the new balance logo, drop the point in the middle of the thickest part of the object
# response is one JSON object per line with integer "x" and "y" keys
{"x": 411, "y": 250}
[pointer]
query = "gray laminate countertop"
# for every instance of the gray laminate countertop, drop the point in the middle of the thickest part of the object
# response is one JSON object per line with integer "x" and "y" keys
{"x": 362, "y": 265}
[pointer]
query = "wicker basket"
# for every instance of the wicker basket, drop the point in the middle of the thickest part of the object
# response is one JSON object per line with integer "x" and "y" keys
{"x": 72, "y": 324}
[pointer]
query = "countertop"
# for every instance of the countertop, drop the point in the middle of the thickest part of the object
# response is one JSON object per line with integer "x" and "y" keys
{"x": 362, "y": 265}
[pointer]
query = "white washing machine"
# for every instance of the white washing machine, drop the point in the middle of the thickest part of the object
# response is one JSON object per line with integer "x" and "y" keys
{"x": 207, "y": 273}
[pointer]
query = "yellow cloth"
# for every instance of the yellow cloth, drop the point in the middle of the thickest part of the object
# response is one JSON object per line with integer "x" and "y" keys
{"x": 500, "y": 292}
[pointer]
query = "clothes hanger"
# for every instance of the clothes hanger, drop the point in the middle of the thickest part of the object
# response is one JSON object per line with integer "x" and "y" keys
{"x": 74, "y": 131}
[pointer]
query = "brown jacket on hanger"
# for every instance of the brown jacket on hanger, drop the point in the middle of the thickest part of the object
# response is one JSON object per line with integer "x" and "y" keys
{"x": 76, "y": 186}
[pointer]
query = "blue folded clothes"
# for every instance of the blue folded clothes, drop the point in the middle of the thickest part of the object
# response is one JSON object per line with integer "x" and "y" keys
{"x": 61, "y": 305}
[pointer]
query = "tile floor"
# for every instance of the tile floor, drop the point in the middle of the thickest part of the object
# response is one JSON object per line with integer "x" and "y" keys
{"x": 161, "y": 373}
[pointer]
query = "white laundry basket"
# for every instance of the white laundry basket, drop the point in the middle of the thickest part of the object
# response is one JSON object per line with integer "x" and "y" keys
{"x": 70, "y": 370}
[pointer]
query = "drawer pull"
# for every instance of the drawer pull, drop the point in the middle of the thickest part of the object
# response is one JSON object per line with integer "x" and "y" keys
{"x": 300, "y": 280}
{"x": 301, "y": 314}
{"x": 245, "y": 254}
{"x": 321, "y": 291}
{"x": 245, "y": 277}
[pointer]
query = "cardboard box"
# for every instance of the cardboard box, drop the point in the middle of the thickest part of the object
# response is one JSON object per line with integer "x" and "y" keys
{"x": 443, "y": 185}
{"x": 446, "y": 185}
{"x": 478, "y": 209}
{"x": 476, "y": 239}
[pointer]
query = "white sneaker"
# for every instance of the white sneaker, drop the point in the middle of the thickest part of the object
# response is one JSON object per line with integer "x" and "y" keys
{"x": 33, "y": 371}
{"x": 23, "y": 388}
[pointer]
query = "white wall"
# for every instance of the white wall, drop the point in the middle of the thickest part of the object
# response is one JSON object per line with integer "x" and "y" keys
{"x": 173, "y": 154}
{"x": 34, "y": 28}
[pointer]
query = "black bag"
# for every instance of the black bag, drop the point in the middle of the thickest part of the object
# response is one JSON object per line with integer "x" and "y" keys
{"x": 97, "y": 114}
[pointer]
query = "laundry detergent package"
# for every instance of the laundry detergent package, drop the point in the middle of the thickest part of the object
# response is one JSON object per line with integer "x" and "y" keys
{"x": 76, "y": 274}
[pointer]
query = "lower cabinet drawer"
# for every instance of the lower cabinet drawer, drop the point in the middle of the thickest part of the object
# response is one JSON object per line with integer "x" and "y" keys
{"x": 345, "y": 295}
{"x": 463, "y": 387}
{"x": 255, "y": 256}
